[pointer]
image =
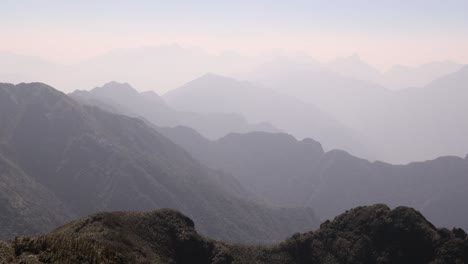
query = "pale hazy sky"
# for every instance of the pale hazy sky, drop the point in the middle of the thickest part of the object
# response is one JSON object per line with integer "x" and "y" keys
{"x": 383, "y": 32}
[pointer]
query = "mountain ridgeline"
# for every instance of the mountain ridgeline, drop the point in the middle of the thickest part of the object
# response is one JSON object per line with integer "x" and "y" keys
{"x": 213, "y": 93}
{"x": 288, "y": 172}
{"x": 372, "y": 234}
{"x": 60, "y": 160}
{"x": 414, "y": 124}
{"x": 123, "y": 98}
{"x": 63, "y": 157}
{"x": 280, "y": 170}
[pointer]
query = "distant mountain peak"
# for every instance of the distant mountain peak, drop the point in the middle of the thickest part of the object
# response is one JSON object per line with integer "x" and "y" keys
{"x": 208, "y": 80}
{"x": 38, "y": 86}
{"x": 114, "y": 86}
{"x": 355, "y": 57}
{"x": 150, "y": 93}
{"x": 354, "y": 66}
{"x": 211, "y": 76}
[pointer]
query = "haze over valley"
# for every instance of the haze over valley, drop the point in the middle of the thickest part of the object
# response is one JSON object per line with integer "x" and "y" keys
{"x": 221, "y": 132}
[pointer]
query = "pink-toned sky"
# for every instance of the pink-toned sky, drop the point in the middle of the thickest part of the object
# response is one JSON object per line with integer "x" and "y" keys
{"x": 383, "y": 33}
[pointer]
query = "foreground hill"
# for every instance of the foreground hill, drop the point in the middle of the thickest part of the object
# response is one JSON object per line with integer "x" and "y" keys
{"x": 58, "y": 152}
{"x": 373, "y": 234}
{"x": 289, "y": 172}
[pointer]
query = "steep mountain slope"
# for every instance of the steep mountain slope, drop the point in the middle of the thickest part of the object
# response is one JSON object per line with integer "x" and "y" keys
{"x": 27, "y": 208}
{"x": 92, "y": 160}
{"x": 217, "y": 94}
{"x": 373, "y": 234}
{"x": 122, "y": 98}
{"x": 289, "y": 172}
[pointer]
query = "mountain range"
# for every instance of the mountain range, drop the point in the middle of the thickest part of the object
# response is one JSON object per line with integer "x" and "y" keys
{"x": 358, "y": 97}
{"x": 397, "y": 77}
{"x": 283, "y": 171}
{"x": 113, "y": 148}
{"x": 60, "y": 160}
{"x": 414, "y": 124}
{"x": 213, "y": 93}
{"x": 167, "y": 67}
{"x": 288, "y": 172}
{"x": 123, "y": 98}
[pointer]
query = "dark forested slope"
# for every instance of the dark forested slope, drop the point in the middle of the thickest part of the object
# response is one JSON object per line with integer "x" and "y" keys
{"x": 373, "y": 234}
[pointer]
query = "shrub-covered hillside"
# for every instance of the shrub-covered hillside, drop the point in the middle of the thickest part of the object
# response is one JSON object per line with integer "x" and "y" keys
{"x": 371, "y": 234}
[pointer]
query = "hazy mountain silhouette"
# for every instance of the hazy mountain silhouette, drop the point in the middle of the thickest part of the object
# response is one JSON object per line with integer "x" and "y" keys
{"x": 218, "y": 94}
{"x": 426, "y": 122}
{"x": 285, "y": 171}
{"x": 160, "y": 67}
{"x": 167, "y": 67}
{"x": 373, "y": 234}
{"x": 123, "y": 98}
{"x": 391, "y": 122}
{"x": 16, "y": 68}
{"x": 354, "y": 67}
{"x": 398, "y": 77}
{"x": 401, "y": 77}
{"x": 92, "y": 160}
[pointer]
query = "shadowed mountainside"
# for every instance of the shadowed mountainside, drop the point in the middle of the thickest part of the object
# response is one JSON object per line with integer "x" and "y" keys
{"x": 91, "y": 160}
{"x": 26, "y": 206}
{"x": 285, "y": 171}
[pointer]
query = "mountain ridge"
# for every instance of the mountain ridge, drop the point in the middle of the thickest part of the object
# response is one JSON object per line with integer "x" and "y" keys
{"x": 221, "y": 94}
{"x": 153, "y": 108}
{"x": 286, "y": 171}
